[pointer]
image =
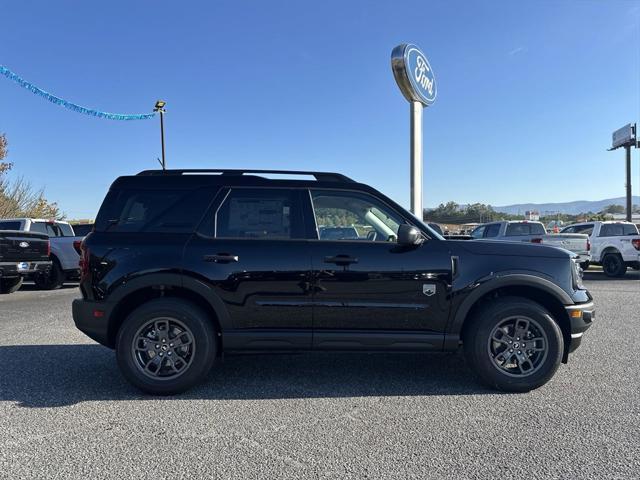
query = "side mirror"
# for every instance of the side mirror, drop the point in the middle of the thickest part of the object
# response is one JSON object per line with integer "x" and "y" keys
{"x": 409, "y": 235}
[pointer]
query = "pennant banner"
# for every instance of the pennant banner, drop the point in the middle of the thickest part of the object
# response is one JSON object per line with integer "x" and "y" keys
{"x": 71, "y": 106}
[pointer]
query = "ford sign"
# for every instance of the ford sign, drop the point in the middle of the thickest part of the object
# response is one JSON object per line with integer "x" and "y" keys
{"x": 413, "y": 74}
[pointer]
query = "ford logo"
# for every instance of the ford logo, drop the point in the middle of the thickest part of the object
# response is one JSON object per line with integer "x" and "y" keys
{"x": 23, "y": 244}
{"x": 413, "y": 74}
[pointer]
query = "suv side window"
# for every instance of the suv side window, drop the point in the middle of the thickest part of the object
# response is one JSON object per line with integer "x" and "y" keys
{"x": 353, "y": 216}
{"x": 266, "y": 213}
{"x": 492, "y": 230}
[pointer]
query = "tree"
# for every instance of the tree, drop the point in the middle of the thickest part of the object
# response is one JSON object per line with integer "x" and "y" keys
{"x": 613, "y": 209}
{"x": 18, "y": 198}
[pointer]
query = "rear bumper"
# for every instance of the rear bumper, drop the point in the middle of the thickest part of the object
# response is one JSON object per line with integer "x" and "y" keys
{"x": 582, "y": 317}
{"x": 16, "y": 269}
{"x": 92, "y": 319}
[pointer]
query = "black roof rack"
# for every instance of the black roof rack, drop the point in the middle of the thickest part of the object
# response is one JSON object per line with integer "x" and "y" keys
{"x": 319, "y": 176}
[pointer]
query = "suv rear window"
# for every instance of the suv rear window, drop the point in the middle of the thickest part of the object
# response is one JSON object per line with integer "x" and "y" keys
{"x": 617, "y": 230}
{"x": 519, "y": 229}
{"x": 159, "y": 211}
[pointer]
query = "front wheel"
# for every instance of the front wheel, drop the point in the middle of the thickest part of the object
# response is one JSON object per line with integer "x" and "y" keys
{"x": 613, "y": 265}
{"x": 513, "y": 344}
{"x": 166, "y": 346}
{"x": 10, "y": 285}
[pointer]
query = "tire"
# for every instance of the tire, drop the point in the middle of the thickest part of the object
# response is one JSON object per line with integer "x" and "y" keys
{"x": 168, "y": 316}
{"x": 494, "y": 369}
{"x": 585, "y": 265}
{"x": 613, "y": 265}
{"x": 53, "y": 279}
{"x": 10, "y": 285}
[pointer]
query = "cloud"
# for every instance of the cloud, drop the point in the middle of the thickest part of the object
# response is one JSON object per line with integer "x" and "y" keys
{"x": 516, "y": 51}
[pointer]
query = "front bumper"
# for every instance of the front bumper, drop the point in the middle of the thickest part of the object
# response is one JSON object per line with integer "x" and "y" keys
{"x": 93, "y": 319}
{"x": 16, "y": 269}
{"x": 581, "y": 317}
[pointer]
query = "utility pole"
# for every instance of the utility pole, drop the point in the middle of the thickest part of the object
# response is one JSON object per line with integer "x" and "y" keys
{"x": 160, "y": 108}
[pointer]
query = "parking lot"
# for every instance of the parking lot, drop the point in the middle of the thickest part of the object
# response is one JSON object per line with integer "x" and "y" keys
{"x": 65, "y": 411}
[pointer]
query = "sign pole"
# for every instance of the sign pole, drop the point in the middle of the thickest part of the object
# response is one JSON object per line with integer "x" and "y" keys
{"x": 417, "y": 83}
{"x": 628, "y": 150}
{"x": 416, "y": 158}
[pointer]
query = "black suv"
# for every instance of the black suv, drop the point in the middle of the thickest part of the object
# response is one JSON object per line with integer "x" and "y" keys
{"x": 184, "y": 265}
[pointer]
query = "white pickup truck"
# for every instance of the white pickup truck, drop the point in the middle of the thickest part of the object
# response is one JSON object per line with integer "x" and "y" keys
{"x": 65, "y": 254}
{"x": 614, "y": 245}
{"x": 534, "y": 232}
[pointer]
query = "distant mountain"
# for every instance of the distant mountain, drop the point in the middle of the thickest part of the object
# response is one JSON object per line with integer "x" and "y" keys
{"x": 571, "y": 208}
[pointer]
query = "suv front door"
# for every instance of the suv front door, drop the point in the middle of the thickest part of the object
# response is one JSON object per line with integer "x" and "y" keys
{"x": 370, "y": 292}
{"x": 250, "y": 250}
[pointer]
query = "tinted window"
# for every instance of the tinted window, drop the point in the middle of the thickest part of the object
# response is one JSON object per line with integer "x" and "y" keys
{"x": 492, "y": 230}
{"x": 82, "y": 230}
{"x": 40, "y": 227}
{"x": 158, "y": 211}
{"x": 66, "y": 229}
{"x": 354, "y": 216}
{"x": 260, "y": 213}
{"x": 478, "y": 232}
{"x": 10, "y": 225}
{"x": 519, "y": 229}
{"x": 617, "y": 230}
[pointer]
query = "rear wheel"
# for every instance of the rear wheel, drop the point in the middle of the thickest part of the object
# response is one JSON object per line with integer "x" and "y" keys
{"x": 10, "y": 285}
{"x": 52, "y": 279}
{"x": 613, "y": 265}
{"x": 513, "y": 344}
{"x": 166, "y": 346}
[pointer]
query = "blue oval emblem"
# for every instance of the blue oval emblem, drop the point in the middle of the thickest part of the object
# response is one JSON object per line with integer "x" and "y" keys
{"x": 413, "y": 74}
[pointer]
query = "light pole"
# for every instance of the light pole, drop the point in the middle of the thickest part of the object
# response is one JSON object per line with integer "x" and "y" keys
{"x": 160, "y": 108}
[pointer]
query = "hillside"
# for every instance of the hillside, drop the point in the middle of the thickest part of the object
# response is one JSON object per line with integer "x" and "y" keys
{"x": 571, "y": 208}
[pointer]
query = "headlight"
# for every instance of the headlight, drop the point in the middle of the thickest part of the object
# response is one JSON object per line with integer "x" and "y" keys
{"x": 576, "y": 273}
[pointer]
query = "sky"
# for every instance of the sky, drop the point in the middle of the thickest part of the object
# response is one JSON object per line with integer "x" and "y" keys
{"x": 528, "y": 93}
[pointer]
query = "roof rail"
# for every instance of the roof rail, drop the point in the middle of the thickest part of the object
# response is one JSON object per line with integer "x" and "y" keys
{"x": 319, "y": 176}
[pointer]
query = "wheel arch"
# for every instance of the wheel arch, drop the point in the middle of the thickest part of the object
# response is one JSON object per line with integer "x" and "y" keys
{"x": 536, "y": 289}
{"x": 144, "y": 289}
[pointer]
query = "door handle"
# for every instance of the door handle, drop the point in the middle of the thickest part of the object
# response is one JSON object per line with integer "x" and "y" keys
{"x": 341, "y": 259}
{"x": 221, "y": 258}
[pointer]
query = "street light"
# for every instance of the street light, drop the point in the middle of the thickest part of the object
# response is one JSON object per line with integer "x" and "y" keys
{"x": 160, "y": 108}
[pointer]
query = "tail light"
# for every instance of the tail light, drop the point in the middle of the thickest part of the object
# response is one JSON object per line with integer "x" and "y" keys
{"x": 84, "y": 260}
{"x": 48, "y": 248}
{"x": 636, "y": 243}
{"x": 536, "y": 240}
{"x": 76, "y": 246}
{"x": 588, "y": 245}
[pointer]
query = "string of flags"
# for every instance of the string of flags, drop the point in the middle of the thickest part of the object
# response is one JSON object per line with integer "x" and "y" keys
{"x": 71, "y": 106}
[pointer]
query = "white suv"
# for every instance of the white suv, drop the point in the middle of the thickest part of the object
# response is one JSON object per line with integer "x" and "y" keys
{"x": 614, "y": 245}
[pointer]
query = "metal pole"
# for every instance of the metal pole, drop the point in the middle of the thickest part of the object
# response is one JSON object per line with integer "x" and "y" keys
{"x": 628, "y": 150}
{"x": 416, "y": 159}
{"x": 164, "y": 164}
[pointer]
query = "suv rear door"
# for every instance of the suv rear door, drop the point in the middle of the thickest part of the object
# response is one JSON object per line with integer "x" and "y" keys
{"x": 251, "y": 251}
{"x": 368, "y": 291}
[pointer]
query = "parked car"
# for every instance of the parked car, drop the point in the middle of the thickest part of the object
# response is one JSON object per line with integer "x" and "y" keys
{"x": 64, "y": 255}
{"x": 614, "y": 245}
{"x": 82, "y": 229}
{"x": 183, "y": 265}
{"x": 534, "y": 232}
{"x": 21, "y": 254}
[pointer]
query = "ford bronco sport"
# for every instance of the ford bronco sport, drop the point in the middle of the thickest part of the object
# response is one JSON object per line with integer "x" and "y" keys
{"x": 184, "y": 265}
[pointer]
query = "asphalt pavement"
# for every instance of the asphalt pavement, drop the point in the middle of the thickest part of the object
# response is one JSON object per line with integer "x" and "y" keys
{"x": 66, "y": 412}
